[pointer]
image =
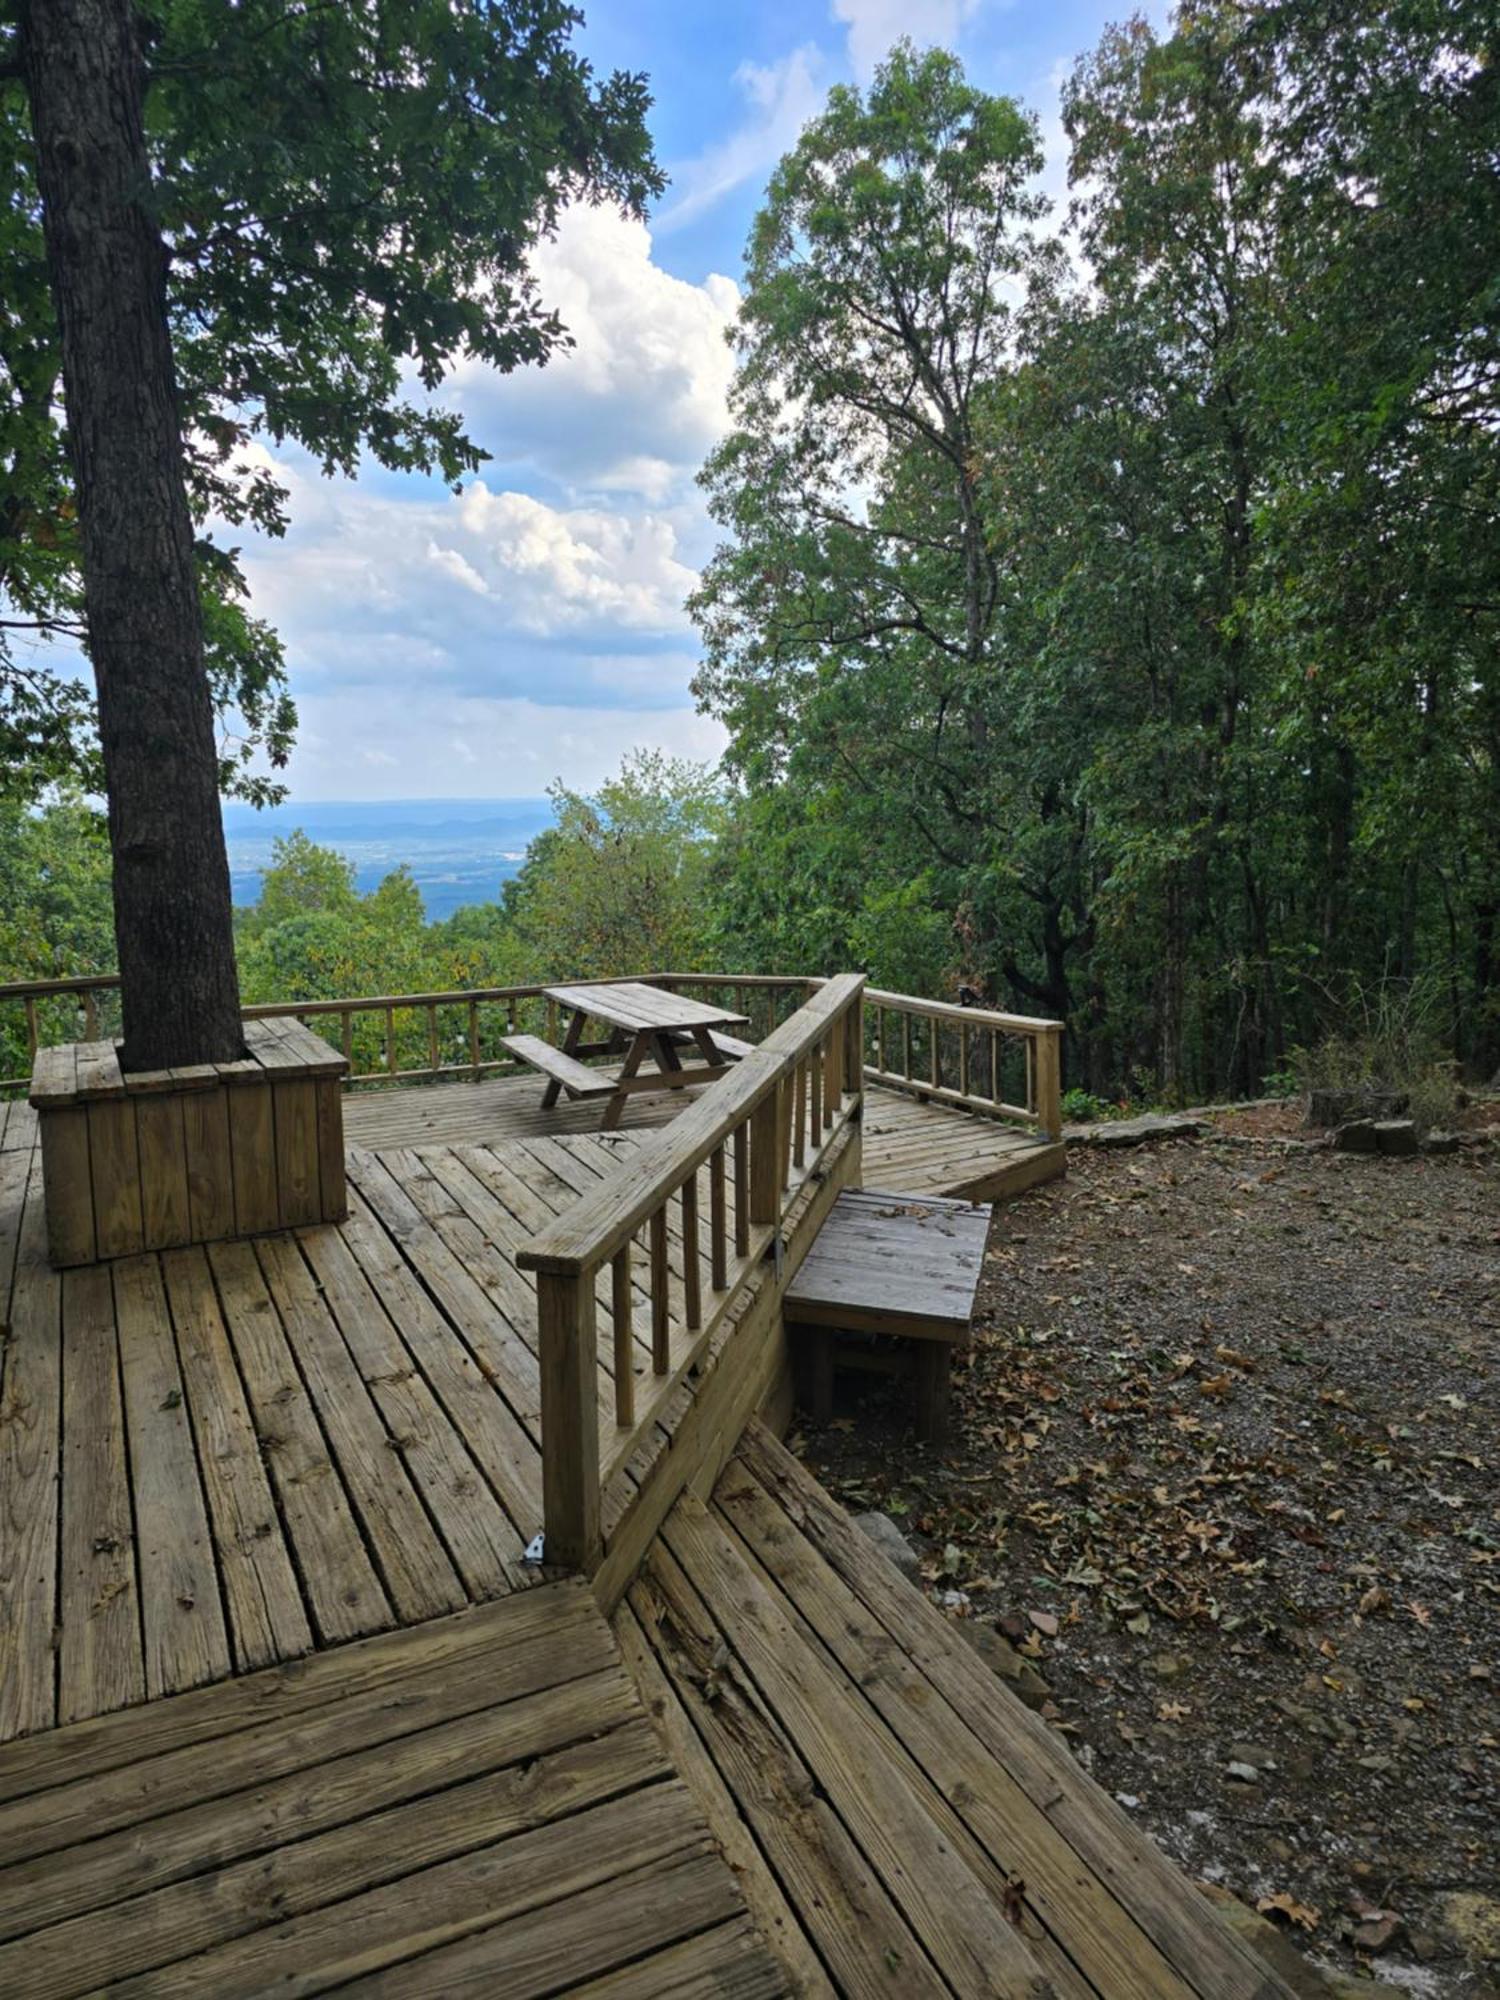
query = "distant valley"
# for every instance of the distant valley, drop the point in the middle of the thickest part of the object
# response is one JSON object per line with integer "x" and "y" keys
{"x": 458, "y": 850}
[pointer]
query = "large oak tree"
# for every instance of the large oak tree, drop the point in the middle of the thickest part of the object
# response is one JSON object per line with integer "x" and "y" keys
{"x": 282, "y": 218}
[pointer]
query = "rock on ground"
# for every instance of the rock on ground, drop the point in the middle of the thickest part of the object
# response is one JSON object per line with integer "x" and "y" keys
{"x": 888, "y": 1538}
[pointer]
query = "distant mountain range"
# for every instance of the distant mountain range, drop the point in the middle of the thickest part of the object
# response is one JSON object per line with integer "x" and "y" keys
{"x": 458, "y": 850}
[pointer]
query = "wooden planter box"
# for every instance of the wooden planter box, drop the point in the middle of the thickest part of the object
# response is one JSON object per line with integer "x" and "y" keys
{"x": 165, "y": 1157}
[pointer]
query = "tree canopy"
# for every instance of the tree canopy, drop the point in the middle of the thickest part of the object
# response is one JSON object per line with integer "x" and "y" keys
{"x": 348, "y": 198}
{"x": 1213, "y": 746}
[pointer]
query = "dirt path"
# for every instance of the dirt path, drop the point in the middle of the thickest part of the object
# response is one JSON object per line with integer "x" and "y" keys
{"x": 1225, "y": 1463}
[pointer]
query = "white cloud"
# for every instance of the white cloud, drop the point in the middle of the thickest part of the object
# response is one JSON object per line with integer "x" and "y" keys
{"x": 875, "y": 25}
{"x": 400, "y": 743}
{"x": 781, "y": 97}
{"x": 638, "y": 401}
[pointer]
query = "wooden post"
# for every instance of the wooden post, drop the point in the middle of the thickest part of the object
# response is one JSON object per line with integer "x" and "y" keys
{"x": 854, "y": 1056}
{"x": 765, "y": 1157}
{"x": 568, "y": 1332}
{"x": 1048, "y": 1075}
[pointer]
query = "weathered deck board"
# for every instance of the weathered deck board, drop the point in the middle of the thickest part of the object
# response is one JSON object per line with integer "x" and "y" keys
{"x": 908, "y": 1143}
{"x": 215, "y": 1459}
{"x": 835, "y": 1729}
{"x": 884, "y": 1263}
{"x": 518, "y": 1827}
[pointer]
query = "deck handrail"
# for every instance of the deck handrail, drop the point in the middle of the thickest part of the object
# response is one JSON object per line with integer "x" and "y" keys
{"x": 963, "y": 1056}
{"x": 467, "y": 1049}
{"x": 775, "y": 1115}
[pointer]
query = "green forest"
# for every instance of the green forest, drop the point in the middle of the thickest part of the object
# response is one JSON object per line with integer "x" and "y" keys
{"x": 1105, "y": 611}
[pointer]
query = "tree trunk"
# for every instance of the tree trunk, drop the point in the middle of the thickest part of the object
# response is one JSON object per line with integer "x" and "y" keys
{"x": 107, "y": 265}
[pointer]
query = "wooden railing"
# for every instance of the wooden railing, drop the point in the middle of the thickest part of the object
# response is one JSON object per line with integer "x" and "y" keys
{"x": 1006, "y": 1064}
{"x": 634, "y": 1244}
{"x": 385, "y": 1038}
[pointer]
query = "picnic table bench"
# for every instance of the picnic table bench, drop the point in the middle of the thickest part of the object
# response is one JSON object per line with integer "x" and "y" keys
{"x": 641, "y": 1021}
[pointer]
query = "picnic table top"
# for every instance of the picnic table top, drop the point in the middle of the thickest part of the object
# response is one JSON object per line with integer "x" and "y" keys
{"x": 642, "y": 1008}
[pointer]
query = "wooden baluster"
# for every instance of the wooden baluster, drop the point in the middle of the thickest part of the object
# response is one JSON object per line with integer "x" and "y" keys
{"x": 474, "y": 1040}
{"x": 833, "y": 1073}
{"x": 90, "y": 1016}
{"x": 963, "y": 1058}
{"x": 717, "y": 1221}
{"x": 390, "y": 1041}
{"x": 880, "y": 1037}
{"x": 432, "y": 1038}
{"x": 906, "y": 1046}
{"x": 799, "y": 1117}
{"x": 1029, "y": 1100}
{"x": 624, "y": 1331}
{"x": 742, "y": 1188}
{"x": 552, "y": 1021}
{"x": 346, "y": 1037}
{"x": 934, "y": 1061}
{"x": 32, "y": 1038}
{"x": 815, "y": 1092}
{"x": 661, "y": 1301}
{"x": 692, "y": 1271}
{"x": 568, "y": 1342}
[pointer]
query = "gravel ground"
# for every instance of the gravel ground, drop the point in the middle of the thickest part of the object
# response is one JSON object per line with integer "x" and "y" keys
{"x": 1223, "y": 1464}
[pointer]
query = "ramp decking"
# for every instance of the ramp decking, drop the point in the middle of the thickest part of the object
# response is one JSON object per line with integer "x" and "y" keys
{"x": 899, "y": 1821}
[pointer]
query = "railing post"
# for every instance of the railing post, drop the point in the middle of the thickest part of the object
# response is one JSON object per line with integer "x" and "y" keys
{"x": 766, "y": 1129}
{"x": 1048, "y": 1082}
{"x": 568, "y": 1332}
{"x": 854, "y": 1046}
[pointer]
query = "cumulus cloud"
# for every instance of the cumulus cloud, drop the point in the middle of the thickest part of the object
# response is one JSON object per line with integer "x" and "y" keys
{"x": 638, "y": 400}
{"x": 533, "y": 624}
{"x": 780, "y": 98}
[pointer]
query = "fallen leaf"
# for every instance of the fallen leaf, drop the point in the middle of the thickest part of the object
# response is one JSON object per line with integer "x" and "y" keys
{"x": 1044, "y": 1621}
{"x": 1284, "y": 1904}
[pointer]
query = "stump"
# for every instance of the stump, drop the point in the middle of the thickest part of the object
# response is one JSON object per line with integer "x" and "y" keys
{"x": 149, "y": 1160}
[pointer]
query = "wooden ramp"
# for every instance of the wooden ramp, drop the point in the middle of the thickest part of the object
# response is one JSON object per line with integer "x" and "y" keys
{"x": 478, "y": 1805}
{"x": 899, "y": 1822}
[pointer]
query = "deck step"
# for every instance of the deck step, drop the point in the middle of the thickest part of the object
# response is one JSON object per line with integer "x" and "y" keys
{"x": 893, "y": 1263}
{"x": 575, "y": 1077}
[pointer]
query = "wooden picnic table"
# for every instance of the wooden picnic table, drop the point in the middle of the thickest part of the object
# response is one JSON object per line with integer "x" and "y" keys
{"x": 642, "y": 1021}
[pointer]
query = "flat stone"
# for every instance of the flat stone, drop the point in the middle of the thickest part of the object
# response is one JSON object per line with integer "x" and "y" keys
{"x": 1141, "y": 1131}
{"x": 1165, "y": 1666}
{"x": 1473, "y": 1921}
{"x": 1254, "y": 1755}
{"x": 888, "y": 1538}
{"x": 1246, "y": 1774}
{"x": 1440, "y": 1142}
{"x": 1358, "y": 1136}
{"x": 1397, "y": 1136}
{"x": 1005, "y": 1662}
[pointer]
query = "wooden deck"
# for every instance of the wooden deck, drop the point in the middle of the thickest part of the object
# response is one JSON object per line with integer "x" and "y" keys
{"x": 899, "y": 1822}
{"x": 478, "y": 1805}
{"x": 212, "y": 1459}
{"x": 914, "y": 1146}
{"x": 288, "y": 1711}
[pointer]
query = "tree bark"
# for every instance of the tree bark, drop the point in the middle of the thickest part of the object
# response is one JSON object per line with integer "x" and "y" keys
{"x": 107, "y": 265}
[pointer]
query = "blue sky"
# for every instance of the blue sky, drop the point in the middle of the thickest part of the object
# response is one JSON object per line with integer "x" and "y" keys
{"x": 531, "y": 628}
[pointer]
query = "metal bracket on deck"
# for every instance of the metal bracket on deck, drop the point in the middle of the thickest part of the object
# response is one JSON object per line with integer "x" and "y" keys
{"x": 535, "y": 1550}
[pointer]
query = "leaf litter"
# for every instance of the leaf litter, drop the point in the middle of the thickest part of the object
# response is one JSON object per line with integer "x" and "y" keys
{"x": 1224, "y": 1467}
